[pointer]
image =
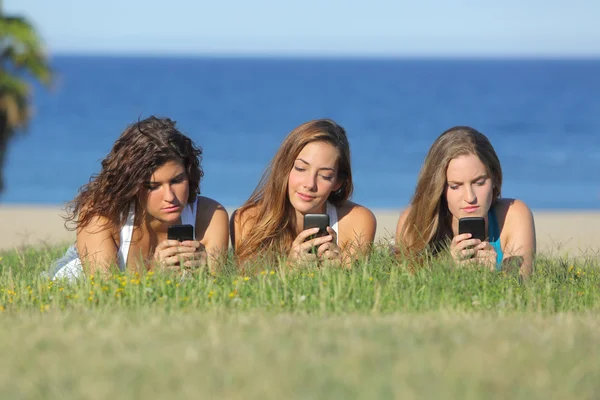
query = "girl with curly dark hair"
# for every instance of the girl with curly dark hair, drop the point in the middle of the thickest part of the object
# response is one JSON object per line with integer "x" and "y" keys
{"x": 149, "y": 181}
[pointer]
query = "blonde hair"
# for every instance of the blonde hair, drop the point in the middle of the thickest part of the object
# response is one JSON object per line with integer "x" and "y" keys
{"x": 272, "y": 218}
{"x": 428, "y": 223}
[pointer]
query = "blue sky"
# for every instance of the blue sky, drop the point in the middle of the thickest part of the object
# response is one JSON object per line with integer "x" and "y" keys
{"x": 318, "y": 27}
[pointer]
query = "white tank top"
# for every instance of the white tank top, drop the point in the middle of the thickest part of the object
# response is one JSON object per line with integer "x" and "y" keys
{"x": 331, "y": 210}
{"x": 69, "y": 266}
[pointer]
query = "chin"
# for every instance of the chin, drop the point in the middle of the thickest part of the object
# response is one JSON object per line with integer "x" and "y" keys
{"x": 168, "y": 217}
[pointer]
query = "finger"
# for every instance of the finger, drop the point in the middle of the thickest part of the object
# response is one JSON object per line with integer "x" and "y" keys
{"x": 171, "y": 251}
{"x": 192, "y": 243}
{"x": 316, "y": 242}
{"x": 178, "y": 258}
{"x": 167, "y": 243}
{"x": 332, "y": 233}
{"x": 470, "y": 243}
{"x": 331, "y": 254}
{"x": 324, "y": 247}
{"x": 302, "y": 236}
{"x": 459, "y": 238}
{"x": 467, "y": 253}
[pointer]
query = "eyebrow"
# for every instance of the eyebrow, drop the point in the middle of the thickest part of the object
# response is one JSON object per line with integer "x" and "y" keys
{"x": 484, "y": 176}
{"x": 307, "y": 163}
{"x": 181, "y": 175}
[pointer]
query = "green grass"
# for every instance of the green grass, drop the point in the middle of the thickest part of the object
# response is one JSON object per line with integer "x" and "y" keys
{"x": 377, "y": 331}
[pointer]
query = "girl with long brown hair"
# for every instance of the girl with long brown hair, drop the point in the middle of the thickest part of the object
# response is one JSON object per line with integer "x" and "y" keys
{"x": 149, "y": 181}
{"x": 310, "y": 173}
{"x": 462, "y": 177}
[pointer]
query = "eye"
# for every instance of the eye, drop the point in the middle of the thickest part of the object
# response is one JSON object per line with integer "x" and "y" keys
{"x": 151, "y": 187}
{"x": 179, "y": 179}
{"x": 481, "y": 182}
{"x": 299, "y": 169}
{"x": 453, "y": 187}
{"x": 327, "y": 178}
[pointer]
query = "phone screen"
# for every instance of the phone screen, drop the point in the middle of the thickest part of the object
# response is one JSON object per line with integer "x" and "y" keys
{"x": 180, "y": 232}
{"x": 473, "y": 225}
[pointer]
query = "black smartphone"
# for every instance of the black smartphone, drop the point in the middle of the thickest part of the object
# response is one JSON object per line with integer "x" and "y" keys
{"x": 180, "y": 232}
{"x": 320, "y": 221}
{"x": 473, "y": 225}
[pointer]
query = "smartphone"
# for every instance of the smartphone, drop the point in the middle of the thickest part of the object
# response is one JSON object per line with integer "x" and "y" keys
{"x": 320, "y": 221}
{"x": 473, "y": 225}
{"x": 180, "y": 232}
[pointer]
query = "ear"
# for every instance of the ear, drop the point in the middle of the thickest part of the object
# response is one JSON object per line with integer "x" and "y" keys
{"x": 337, "y": 186}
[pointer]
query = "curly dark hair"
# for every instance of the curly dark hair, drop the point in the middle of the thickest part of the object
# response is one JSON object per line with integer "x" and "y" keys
{"x": 142, "y": 148}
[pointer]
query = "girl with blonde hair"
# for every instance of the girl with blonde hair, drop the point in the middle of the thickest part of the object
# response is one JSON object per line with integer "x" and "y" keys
{"x": 462, "y": 177}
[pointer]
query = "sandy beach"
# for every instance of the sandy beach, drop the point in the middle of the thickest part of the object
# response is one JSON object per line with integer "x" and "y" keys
{"x": 558, "y": 233}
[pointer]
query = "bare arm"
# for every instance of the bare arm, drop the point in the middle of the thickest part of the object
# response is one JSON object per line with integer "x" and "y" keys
{"x": 212, "y": 230}
{"x": 520, "y": 246}
{"x": 96, "y": 247}
{"x": 356, "y": 233}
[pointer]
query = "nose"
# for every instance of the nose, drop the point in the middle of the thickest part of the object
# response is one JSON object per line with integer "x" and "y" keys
{"x": 310, "y": 182}
{"x": 470, "y": 196}
{"x": 168, "y": 193}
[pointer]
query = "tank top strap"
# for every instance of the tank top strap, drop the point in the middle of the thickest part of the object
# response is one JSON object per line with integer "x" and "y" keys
{"x": 333, "y": 217}
{"x": 188, "y": 215}
{"x": 494, "y": 237}
{"x": 125, "y": 236}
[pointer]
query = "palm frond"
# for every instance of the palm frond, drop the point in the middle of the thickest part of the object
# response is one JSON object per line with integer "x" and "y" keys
{"x": 21, "y": 49}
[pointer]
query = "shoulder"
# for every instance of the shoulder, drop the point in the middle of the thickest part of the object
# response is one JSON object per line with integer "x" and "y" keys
{"x": 98, "y": 225}
{"x": 513, "y": 214}
{"x": 208, "y": 210}
{"x": 206, "y": 204}
{"x": 402, "y": 220}
{"x": 403, "y": 216}
{"x": 512, "y": 209}
{"x": 356, "y": 214}
{"x": 244, "y": 214}
{"x": 100, "y": 232}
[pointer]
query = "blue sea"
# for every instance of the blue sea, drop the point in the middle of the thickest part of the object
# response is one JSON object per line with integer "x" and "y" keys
{"x": 542, "y": 116}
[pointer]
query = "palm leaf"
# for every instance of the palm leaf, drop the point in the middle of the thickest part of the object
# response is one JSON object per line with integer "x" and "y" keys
{"x": 22, "y": 49}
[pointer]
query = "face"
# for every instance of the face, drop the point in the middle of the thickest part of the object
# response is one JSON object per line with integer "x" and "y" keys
{"x": 468, "y": 187}
{"x": 166, "y": 193}
{"x": 313, "y": 177}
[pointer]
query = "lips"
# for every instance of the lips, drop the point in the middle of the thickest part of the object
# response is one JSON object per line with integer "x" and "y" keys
{"x": 171, "y": 209}
{"x": 305, "y": 197}
{"x": 470, "y": 209}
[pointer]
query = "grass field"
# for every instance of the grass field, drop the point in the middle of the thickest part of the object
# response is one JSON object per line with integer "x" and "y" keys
{"x": 377, "y": 331}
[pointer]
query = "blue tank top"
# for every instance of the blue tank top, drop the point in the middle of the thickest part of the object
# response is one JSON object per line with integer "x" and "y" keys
{"x": 494, "y": 237}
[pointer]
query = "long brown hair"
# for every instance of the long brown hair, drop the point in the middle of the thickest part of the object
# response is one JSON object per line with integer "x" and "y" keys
{"x": 273, "y": 220}
{"x": 142, "y": 148}
{"x": 428, "y": 223}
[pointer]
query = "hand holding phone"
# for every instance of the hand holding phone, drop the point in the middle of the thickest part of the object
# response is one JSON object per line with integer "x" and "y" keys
{"x": 181, "y": 250}
{"x": 465, "y": 248}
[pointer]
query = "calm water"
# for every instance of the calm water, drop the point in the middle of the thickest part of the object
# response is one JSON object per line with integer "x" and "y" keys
{"x": 543, "y": 118}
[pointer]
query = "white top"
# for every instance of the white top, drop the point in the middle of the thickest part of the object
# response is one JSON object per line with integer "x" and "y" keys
{"x": 69, "y": 266}
{"x": 331, "y": 210}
